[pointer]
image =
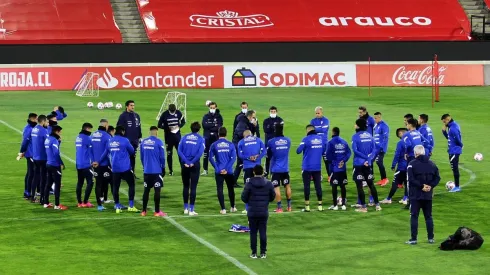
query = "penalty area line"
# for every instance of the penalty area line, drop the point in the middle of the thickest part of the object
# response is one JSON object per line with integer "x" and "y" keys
{"x": 183, "y": 229}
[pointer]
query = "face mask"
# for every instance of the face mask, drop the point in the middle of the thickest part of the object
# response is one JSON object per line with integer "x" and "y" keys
{"x": 253, "y": 120}
{"x": 212, "y": 111}
{"x": 244, "y": 110}
{"x": 273, "y": 115}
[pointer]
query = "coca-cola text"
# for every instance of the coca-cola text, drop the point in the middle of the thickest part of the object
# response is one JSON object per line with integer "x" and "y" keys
{"x": 423, "y": 77}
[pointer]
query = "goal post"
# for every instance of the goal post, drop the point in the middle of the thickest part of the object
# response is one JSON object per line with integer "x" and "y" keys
{"x": 87, "y": 86}
{"x": 177, "y": 98}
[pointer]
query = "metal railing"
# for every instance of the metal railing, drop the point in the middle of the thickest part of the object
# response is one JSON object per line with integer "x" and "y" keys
{"x": 484, "y": 33}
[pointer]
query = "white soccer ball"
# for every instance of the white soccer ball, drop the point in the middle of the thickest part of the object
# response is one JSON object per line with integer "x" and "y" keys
{"x": 478, "y": 157}
{"x": 339, "y": 201}
{"x": 110, "y": 104}
{"x": 106, "y": 105}
{"x": 90, "y": 104}
{"x": 208, "y": 102}
{"x": 100, "y": 106}
{"x": 450, "y": 185}
{"x": 118, "y": 106}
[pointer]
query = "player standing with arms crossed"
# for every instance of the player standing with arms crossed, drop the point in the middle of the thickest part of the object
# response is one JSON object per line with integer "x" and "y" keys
{"x": 322, "y": 124}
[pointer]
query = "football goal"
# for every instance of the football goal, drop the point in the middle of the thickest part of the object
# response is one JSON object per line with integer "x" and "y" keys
{"x": 87, "y": 86}
{"x": 177, "y": 98}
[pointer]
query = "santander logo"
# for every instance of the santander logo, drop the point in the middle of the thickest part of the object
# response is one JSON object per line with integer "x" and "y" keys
{"x": 402, "y": 75}
{"x": 230, "y": 20}
{"x": 107, "y": 81}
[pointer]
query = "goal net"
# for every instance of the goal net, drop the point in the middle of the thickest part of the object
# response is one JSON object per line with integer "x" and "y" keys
{"x": 177, "y": 98}
{"x": 87, "y": 86}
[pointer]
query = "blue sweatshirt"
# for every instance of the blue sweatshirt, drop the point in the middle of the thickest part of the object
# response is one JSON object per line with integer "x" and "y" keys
{"x": 426, "y": 132}
{"x": 26, "y": 146}
{"x": 338, "y": 150}
{"x": 381, "y": 137}
{"x": 52, "y": 148}
{"x": 363, "y": 147}
{"x": 119, "y": 148}
{"x": 191, "y": 148}
{"x": 152, "y": 154}
{"x": 321, "y": 127}
{"x": 279, "y": 148}
{"x": 370, "y": 123}
{"x": 84, "y": 153}
{"x": 313, "y": 148}
{"x": 100, "y": 140}
{"x": 454, "y": 139}
{"x": 38, "y": 135}
{"x": 399, "y": 161}
{"x": 251, "y": 146}
{"x": 60, "y": 116}
{"x": 412, "y": 139}
{"x": 222, "y": 155}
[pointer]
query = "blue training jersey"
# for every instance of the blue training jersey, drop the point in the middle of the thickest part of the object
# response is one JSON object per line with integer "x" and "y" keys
{"x": 426, "y": 132}
{"x": 191, "y": 148}
{"x": 119, "y": 148}
{"x": 222, "y": 155}
{"x": 38, "y": 135}
{"x": 152, "y": 155}
{"x": 399, "y": 161}
{"x": 321, "y": 127}
{"x": 83, "y": 148}
{"x": 248, "y": 147}
{"x": 338, "y": 151}
{"x": 364, "y": 148}
{"x": 53, "y": 155}
{"x": 279, "y": 148}
{"x": 412, "y": 139}
{"x": 313, "y": 148}
{"x": 100, "y": 141}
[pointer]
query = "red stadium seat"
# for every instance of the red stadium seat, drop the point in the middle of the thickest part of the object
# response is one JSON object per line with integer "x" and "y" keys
{"x": 303, "y": 20}
{"x": 58, "y": 22}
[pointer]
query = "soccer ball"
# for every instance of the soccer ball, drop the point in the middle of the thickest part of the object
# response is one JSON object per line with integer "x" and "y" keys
{"x": 478, "y": 157}
{"x": 450, "y": 185}
{"x": 208, "y": 102}
{"x": 106, "y": 105}
{"x": 90, "y": 104}
{"x": 100, "y": 106}
{"x": 339, "y": 201}
{"x": 110, "y": 104}
{"x": 118, "y": 106}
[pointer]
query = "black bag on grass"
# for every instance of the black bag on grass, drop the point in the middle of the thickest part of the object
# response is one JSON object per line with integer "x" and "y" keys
{"x": 464, "y": 239}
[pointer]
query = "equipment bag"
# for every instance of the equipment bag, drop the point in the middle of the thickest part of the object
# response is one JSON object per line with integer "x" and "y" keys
{"x": 464, "y": 239}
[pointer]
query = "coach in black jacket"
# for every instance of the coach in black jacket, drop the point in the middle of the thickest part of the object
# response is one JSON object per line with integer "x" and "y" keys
{"x": 423, "y": 177}
{"x": 131, "y": 122}
{"x": 258, "y": 193}
{"x": 211, "y": 122}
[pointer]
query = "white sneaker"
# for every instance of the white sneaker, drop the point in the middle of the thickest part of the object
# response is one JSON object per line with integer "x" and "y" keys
{"x": 332, "y": 207}
{"x": 204, "y": 173}
{"x": 102, "y": 200}
{"x": 192, "y": 213}
{"x": 378, "y": 208}
{"x": 186, "y": 211}
{"x": 344, "y": 208}
{"x": 109, "y": 201}
{"x": 244, "y": 212}
{"x": 233, "y": 210}
{"x": 335, "y": 208}
{"x": 386, "y": 201}
{"x": 222, "y": 212}
{"x": 404, "y": 202}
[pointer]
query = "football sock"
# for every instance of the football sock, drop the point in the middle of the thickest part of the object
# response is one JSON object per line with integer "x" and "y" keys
{"x": 186, "y": 206}
{"x": 371, "y": 198}
{"x": 192, "y": 208}
{"x": 131, "y": 204}
{"x": 279, "y": 204}
{"x": 246, "y": 207}
{"x": 289, "y": 202}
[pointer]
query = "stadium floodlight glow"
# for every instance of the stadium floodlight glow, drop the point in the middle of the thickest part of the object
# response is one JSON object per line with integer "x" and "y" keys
{"x": 177, "y": 98}
{"x": 87, "y": 86}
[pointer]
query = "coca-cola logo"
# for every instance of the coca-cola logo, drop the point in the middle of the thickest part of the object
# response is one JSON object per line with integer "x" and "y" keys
{"x": 230, "y": 20}
{"x": 424, "y": 76}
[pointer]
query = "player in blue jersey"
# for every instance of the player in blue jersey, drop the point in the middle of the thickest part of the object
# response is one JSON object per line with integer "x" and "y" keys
{"x": 152, "y": 153}
{"x": 278, "y": 148}
{"x": 364, "y": 149}
{"x": 338, "y": 153}
{"x": 222, "y": 155}
{"x": 426, "y": 132}
{"x": 313, "y": 149}
{"x": 54, "y": 165}
{"x": 399, "y": 166}
{"x": 363, "y": 113}
{"x": 452, "y": 132}
{"x": 26, "y": 152}
{"x": 412, "y": 138}
{"x": 84, "y": 160}
{"x": 103, "y": 173}
{"x": 381, "y": 133}
{"x": 322, "y": 126}
{"x": 190, "y": 150}
{"x": 38, "y": 135}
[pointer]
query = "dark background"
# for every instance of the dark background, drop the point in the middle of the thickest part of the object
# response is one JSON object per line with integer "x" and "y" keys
{"x": 245, "y": 52}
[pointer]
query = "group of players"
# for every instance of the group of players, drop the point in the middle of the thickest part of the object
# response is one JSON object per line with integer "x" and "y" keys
{"x": 108, "y": 154}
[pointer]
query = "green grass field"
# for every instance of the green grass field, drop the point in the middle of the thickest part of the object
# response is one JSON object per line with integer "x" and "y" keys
{"x": 34, "y": 240}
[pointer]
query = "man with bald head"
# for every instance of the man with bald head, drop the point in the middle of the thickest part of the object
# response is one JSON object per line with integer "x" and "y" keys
{"x": 251, "y": 150}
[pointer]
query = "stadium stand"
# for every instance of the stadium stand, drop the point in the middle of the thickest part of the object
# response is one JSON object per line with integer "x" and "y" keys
{"x": 57, "y": 22}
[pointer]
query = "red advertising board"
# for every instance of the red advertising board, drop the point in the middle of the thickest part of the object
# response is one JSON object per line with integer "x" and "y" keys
{"x": 303, "y": 20}
{"x": 419, "y": 75}
{"x": 149, "y": 77}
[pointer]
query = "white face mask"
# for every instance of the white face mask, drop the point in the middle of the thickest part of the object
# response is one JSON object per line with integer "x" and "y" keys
{"x": 244, "y": 110}
{"x": 273, "y": 115}
{"x": 253, "y": 120}
{"x": 212, "y": 111}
